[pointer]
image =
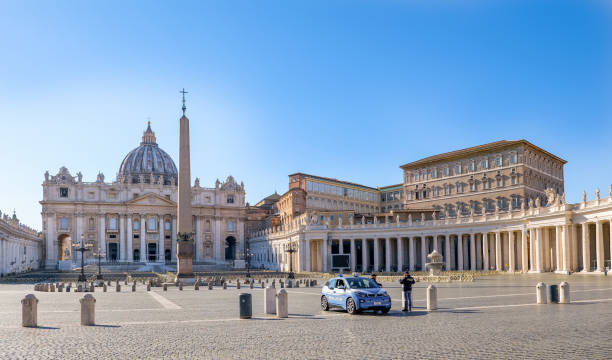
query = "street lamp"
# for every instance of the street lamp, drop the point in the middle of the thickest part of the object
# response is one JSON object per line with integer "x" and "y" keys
{"x": 247, "y": 257}
{"x": 290, "y": 248}
{"x": 82, "y": 248}
{"x": 99, "y": 254}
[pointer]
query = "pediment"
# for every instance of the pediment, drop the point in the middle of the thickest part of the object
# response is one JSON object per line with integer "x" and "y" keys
{"x": 151, "y": 199}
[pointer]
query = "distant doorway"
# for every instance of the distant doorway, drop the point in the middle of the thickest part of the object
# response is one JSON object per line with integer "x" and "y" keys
{"x": 152, "y": 251}
{"x": 113, "y": 252}
{"x": 136, "y": 255}
{"x": 230, "y": 248}
{"x": 64, "y": 247}
{"x": 167, "y": 255}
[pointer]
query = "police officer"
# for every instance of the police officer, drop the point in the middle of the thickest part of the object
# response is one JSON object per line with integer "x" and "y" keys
{"x": 374, "y": 279}
{"x": 407, "y": 282}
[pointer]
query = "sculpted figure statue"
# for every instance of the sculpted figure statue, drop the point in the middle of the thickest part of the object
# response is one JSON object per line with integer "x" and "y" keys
{"x": 80, "y": 177}
{"x": 537, "y": 202}
{"x": 584, "y": 196}
{"x": 597, "y": 194}
{"x": 397, "y": 219}
{"x": 409, "y": 218}
{"x": 562, "y": 199}
{"x": 351, "y": 220}
{"x": 47, "y": 178}
{"x": 363, "y": 220}
{"x": 197, "y": 182}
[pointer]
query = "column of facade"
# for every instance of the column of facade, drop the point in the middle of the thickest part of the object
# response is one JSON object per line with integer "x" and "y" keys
{"x": 565, "y": 243}
{"x": 217, "y": 242}
{"x": 130, "y": 237}
{"x": 498, "y": 251}
{"x": 411, "y": 255}
{"x": 539, "y": 258}
{"x": 460, "y": 252}
{"x": 79, "y": 231}
{"x": 473, "y": 252}
{"x": 485, "y": 252}
{"x": 143, "y": 234}
{"x": 558, "y": 249}
{"x": 122, "y": 245}
{"x": 599, "y": 246}
{"x": 423, "y": 252}
{"x": 102, "y": 235}
{"x": 586, "y": 248}
{"x": 511, "y": 262}
{"x": 376, "y": 254}
{"x": 524, "y": 251}
{"x": 160, "y": 240}
{"x": 479, "y": 252}
{"x": 353, "y": 255}
{"x": 388, "y": 254}
{"x": 447, "y": 250}
{"x": 364, "y": 255}
{"x": 324, "y": 255}
{"x": 574, "y": 245}
{"x": 545, "y": 248}
{"x": 198, "y": 238}
{"x": 173, "y": 240}
{"x": 400, "y": 253}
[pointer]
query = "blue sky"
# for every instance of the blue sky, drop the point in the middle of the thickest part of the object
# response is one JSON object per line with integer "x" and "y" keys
{"x": 345, "y": 89}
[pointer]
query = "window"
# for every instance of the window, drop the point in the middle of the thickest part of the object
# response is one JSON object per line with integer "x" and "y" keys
{"x": 434, "y": 173}
{"x": 472, "y": 165}
{"x": 500, "y": 204}
{"x": 151, "y": 224}
{"x": 458, "y": 169}
{"x": 515, "y": 203}
{"x": 499, "y": 181}
{"x": 136, "y": 224}
{"x": 230, "y": 225}
{"x": 485, "y": 204}
{"x": 459, "y": 188}
{"x": 446, "y": 189}
{"x": 513, "y": 180}
{"x": 513, "y": 158}
{"x": 90, "y": 195}
{"x": 498, "y": 161}
{"x": 484, "y": 164}
{"x": 92, "y": 224}
{"x": 63, "y": 192}
{"x": 168, "y": 226}
{"x": 446, "y": 171}
{"x": 112, "y": 223}
{"x": 472, "y": 187}
{"x": 230, "y": 199}
{"x": 64, "y": 223}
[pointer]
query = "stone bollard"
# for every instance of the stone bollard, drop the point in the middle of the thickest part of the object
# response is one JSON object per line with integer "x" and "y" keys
{"x": 246, "y": 306}
{"x": 108, "y": 283}
{"x": 224, "y": 286}
{"x": 282, "y": 284}
{"x": 270, "y": 300}
{"x": 165, "y": 287}
{"x": 196, "y": 286}
{"x": 118, "y": 287}
{"x": 134, "y": 287}
{"x": 88, "y": 310}
{"x": 541, "y": 293}
{"x": 79, "y": 288}
{"x": 60, "y": 288}
{"x": 263, "y": 285}
{"x": 210, "y": 286}
{"x": 92, "y": 288}
{"x": 282, "y": 304}
{"x": 273, "y": 284}
{"x": 181, "y": 286}
{"x": 68, "y": 287}
{"x": 126, "y": 281}
{"x": 238, "y": 284}
{"x": 51, "y": 287}
{"x": 564, "y": 293}
{"x": 297, "y": 284}
{"x": 307, "y": 283}
{"x": 432, "y": 298}
{"x": 29, "y": 311}
{"x": 251, "y": 284}
{"x": 104, "y": 288}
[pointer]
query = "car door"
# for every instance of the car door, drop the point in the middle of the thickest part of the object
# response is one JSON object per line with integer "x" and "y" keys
{"x": 329, "y": 293}
{"x": 340, "y": 293}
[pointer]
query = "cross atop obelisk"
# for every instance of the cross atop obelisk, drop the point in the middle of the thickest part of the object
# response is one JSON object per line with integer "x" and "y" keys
{"x": 184, "y": 244}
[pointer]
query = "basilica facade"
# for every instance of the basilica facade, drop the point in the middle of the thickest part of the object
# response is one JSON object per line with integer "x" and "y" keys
{"x": 132, "y": 220}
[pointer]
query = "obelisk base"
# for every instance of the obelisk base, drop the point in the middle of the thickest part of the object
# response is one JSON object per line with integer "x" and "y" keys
{"x": 184, "y": 255}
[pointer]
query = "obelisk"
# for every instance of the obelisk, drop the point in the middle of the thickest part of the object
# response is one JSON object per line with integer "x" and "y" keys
{"x": 184, "y": 243}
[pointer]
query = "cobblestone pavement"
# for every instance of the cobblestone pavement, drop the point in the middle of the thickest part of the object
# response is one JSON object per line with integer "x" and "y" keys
{"x": 494, "y": 317}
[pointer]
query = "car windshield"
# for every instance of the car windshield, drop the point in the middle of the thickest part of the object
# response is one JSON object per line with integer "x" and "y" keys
{"x": 361, "y": 283}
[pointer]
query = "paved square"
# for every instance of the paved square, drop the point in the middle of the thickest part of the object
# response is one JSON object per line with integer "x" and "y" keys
{"x": 493, "y": 317}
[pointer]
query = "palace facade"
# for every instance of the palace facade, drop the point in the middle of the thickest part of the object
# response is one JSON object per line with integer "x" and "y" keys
{"x": 20, "y": 246}
{"x": 132, "y": 220}
{"x": 498, "y": 206}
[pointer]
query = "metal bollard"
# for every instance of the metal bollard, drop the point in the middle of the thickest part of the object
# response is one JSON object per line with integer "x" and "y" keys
{"x": 238, "y": 284}
{"x": 133, "y": 287}
{"x": 282, "y": 304}
{"x": 165, "y": 287}
{"x": 270, "y": 300}
{"x": 246, "y": 306}
{"x": 251, "y": 284}
{"x": 263, "y": 285}
{"x": 541, "y": 293}
{"x": 29, "y": 311}
{"x": 92, "y": 288}
{"x": 118, "y": 287}
{"x": 60, "y": 288}
{"x": 88, "y": 310}
{"x": 432, "y": 298}
{"x": 564, "y": 293}
{"x": 224, "y": 286}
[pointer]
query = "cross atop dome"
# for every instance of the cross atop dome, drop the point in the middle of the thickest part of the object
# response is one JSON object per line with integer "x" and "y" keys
{"x": 148, "y": 137}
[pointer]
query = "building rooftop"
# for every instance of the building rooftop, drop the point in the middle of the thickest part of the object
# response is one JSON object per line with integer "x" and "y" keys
{"x": 474, "y": 150}
{"x": 334, "y": 180}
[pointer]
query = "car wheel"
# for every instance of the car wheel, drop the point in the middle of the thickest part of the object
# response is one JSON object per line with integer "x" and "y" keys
{"x": 385, "y": 310}
{"x": 324, "y": 303}
{"x": 350, "y": 306}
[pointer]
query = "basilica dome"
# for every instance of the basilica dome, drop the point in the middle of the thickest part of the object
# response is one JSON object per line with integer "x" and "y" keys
{"x": 147, "y": 163}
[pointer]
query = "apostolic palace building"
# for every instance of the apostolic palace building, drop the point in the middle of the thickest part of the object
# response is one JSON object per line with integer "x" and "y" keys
{"x": 498, "y": 206}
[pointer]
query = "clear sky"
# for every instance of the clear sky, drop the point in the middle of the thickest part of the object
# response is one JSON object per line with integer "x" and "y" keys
{"x": 345, "y": 89}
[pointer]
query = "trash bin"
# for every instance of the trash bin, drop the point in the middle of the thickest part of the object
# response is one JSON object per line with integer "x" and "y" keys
{"x": 246, "y": 309}
{"x": 552, "y": 292}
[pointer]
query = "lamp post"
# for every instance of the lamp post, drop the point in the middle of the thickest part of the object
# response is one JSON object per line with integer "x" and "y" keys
{"x": 247, "y": 257}
{"x": 290, "y": 248}
{"x": 99, "y": 254}
{"x": 82, "y": 248}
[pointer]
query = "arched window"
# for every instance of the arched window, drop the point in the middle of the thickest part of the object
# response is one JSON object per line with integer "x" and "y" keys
{"x": 136, "y": 224}
{"x": 230, "y": 225}
{"x": 112, "y": 223}
{"x": 168, "y": 226}
{"x": 64, "y": 223}
{"x": 151, "y": 223}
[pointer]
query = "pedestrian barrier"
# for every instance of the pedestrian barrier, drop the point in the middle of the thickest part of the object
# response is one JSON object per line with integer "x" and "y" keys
{"x": 432, "y": 298}
{"x": 270, "y": 300}
{"x": 541, "y": 293}
{"x": 88, "y": 310}
{"x": 282, "y": 304}
{"x": 564, "y": 293}
{"x": 29, "y": 311}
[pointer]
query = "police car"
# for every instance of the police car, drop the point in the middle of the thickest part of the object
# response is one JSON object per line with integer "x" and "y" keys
{"x": 354, "y": 294}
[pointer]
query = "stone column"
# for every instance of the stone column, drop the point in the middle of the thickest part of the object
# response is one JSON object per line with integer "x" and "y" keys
{"x": 498, "y": 252}
{"x": 545, "y": 248}
{"x": 324, "y": 255}
{"x": 565, "y": 241}
{"x": 447, "y": 250}
{"x": 353, "y": 255}
{"x": 538, "y": 250}
{"x": 460, "y": 252}
{"x": 376, "y": 254}
{"x": 485, "y": 251}
{"x": 388, "y": 254}
{"x": 130, "y": 238}
{"x": 364, "y": 255}
{"x": 102, "y": 234}
{"x": 524, "y": 252}
{"x": 217, "y": 240}
{"x": 574, "y": 244}
{"x": 143, "y": 235}
{"x": 79, "y": 230}
{"x": 160, "y": 241}
{"x": 122, "y": 250}
{"x": 400, "y": 253}
{"x": 51, "y": 256}
{"x": 532, "y": 249}
{"x": 558, "y": 249}
{"x": 173, "y": 247}
{"x": 599, "y": 246}
{"x": 473, "y": 252}
{"x": 511, "y": 264}
{"x": 411, "y": 254}
{"x": 423, "y": 252}
{"x": 586, "y": 248}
